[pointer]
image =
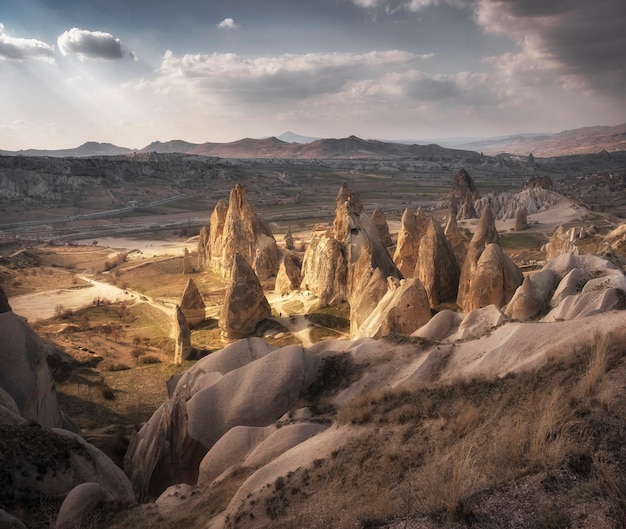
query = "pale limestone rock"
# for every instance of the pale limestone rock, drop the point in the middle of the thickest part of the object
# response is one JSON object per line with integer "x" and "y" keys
{"x": 174, "y": 497}
{"x": 237, "y": 229}
{"x": 589, "y": 304}
{"x": 192, "y": 304}
{"x": 571, "y": 284}
{"x": 478, "y": 322}
{"x": 601, "y": 283}
{"x": 182, "y": 337}
{"x": 441, "y": 325}
{"x": 561, "y": 242}
{"x": 409, "y": 238}
{"x": 527, "y": 302}
{"x": 289, "y": 274}
{"x": 456, "y": 240}
{"x": 245, "y": 304}
{"x": 380, "y": 221}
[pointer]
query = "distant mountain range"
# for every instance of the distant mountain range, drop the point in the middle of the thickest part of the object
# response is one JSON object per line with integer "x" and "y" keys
{"x": 291, "y": 145}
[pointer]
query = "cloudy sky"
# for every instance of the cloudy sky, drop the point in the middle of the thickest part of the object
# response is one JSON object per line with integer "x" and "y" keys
{"x": 133, "y": 71}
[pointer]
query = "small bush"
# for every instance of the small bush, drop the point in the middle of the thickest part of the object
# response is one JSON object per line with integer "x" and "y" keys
{"x": 149, "y": 359}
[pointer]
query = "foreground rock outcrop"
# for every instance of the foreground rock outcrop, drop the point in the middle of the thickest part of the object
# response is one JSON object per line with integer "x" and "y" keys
{"x": 245, "y": 304}
{"x": 237, "y": 229}
{"x": 246, "y": 384}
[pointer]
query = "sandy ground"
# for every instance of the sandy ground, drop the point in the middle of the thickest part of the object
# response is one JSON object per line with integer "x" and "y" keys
{"x": 146, "y": 247}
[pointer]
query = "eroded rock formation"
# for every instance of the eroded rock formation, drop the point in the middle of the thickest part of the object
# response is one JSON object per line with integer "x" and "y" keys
{"x": 245, "y": 304}
{"x": 289, "y": 274}
{"x": 456, "y": 240}
{"x": 380, "y": 221}
{"x": 289, "y": 245}
{"x": 237, "y": 229}
{"x": 187, "y": 266}
{"x": 182, "y": 337}
{"x": 563, "y": 241}
{"x": 463, "y": 195}
{"x": 521, "y": 218}
{"x": 192, "y": 304}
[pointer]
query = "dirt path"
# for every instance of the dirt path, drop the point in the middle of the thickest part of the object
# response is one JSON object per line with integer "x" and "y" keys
{"x": 43, "y": 305}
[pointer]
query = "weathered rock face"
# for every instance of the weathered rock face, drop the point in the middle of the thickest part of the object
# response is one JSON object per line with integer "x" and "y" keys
{"x": 456, "y": 240}
{"x": 245, "y": 304}
{"x": 543, "y": 182}
{"x": 187, "y": 266}
{"x": 402, "y": 309}
{"x": 289, "y": 240}
{"x": 182, "y": 337}
{"x": 436, "y": 265}
{"x": 505, "y": 205}
{"x": 325, "y": 269}
{"x": 237, "y": 229}
{"x": 245, "y": 384}
{"x": 192, "y": 305}
{"x": 288, "y": 277}
{"x": 521, "y": 218}
{"x": 4, "y": 302}
{"x": 409, "y": 238}
{"x": 485, "y": 234}
{"x": 562, "y": 242}
{"x": 82, "y": 504}
{"x": 465, "y": 193}
{"x": 526, "y": 303}
{"x": 380, "y": 221}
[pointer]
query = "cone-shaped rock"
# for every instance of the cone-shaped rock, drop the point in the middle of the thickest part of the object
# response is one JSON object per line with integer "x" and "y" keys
{"x": 325, "y": 269}
{"x": 465, "y": 193}
{"x": 485, "y": 234}
{"x": 380, "y": 221}
{"x": 526, "y": 303}
{"x": 192, "y": 305}
{"x": 245, "y": 304}
{"x": 456, "y": 240}
{"x": 521, "y": 218}
{"x": 182, "y": 337}
{"x": 409, "y": 238}
{"x": 187, "y": 267}
{"x": 288, "y": 277}
{"x": 436, "y": 265}
{"x": 289, "y": 240}
{"x": 236, "y": 228}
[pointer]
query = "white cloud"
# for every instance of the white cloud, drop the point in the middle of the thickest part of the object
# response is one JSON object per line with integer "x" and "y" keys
{"x": 19, "y": 49}
{"x": 228, "y": 23}
{"x": 86, "y": 44}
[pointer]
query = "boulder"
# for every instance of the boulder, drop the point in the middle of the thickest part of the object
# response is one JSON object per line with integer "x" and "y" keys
{"x": 380, "y": 221}
{"x": 82, "y": 505}
{"x": 192, "y": 304}
{"x": 289, "y": 276}
{"x": 245, "y": 304}
{"x": 237, "y": 229}
{"x": 182, "y": 337}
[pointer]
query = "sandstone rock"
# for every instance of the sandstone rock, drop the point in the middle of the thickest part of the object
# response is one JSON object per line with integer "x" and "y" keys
{"x": 82, "y": 504}
{"x": 173, "y": 497}
{"x": 4, "y": 302}
{"x": 402, "y": 309}
{"x": 436, "y": 265}
{"x": 289, "y": 240}
{"x": 521, "y": 218}
{"x": 24, "y": 372}
{"x": 170, "y": 447}
{"x": 245, "y": 304}
{"x": 380, "y": 221}
{"x": 591, "y": 265}
{"x": 288, "y": 277}
{"x": 237, "y": 229}
{"x": 527, "y": 302}
{"x": 441, "y": 325}
{"x": 187, "y": 266}
{"x": 485, "y": 234}
{"x": 464, "y": 191}
{"x": 409, "y": 238}
{"x": 192, "y": 304}
{"x": 571, "y": 284}
{"x": 561, "y": 242}
{"x": 456, "y": 240}
{"x": 182, "y": 337}
{"x": 505, "y": 205}
{"x": 589, "y": 304}
{"x": 478, "y": 323}
{"x": 543, "y": 182}
{"x": 601, "y": 283}
{"x": 325, "y": 269}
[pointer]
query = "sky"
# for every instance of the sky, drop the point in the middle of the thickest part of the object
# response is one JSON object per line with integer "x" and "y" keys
{"x": 130, "y": 72}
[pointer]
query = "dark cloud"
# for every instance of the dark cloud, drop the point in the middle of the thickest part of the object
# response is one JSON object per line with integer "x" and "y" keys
{"x": 19, "y": 49}
{"x": 90, "y": 44}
